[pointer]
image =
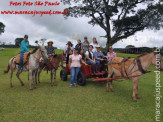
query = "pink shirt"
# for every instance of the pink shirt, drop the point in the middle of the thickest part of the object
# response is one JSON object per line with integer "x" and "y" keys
{"x": 111, "y": 55}
{"x": 75, "y": 60}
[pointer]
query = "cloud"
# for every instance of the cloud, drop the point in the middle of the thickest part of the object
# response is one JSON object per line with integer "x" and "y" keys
{"x": 61, "y": 30}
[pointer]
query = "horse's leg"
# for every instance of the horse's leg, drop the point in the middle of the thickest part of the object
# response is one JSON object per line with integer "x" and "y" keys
{"x": 39, "y": 72}
{"x": 55, "y": 84}
{"x": 110, "y": 72}
{"x": 18, "y": 74}
{"x": 111, "y": 86}
{"x": 36, "y": 76}
{"x": 134, "y": 89}
{"x": 107, "y": 86}
{"x": 51, "y": 77}
{"x": 137, "y": 94}
{"x": 11, "y": 79}
{"x": 30, "y": 80}
{"x": 33, "y": 78}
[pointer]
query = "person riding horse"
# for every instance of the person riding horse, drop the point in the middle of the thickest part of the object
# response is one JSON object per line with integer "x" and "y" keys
{"x": 24, "y": 47}
{"x": 50, "y": 51}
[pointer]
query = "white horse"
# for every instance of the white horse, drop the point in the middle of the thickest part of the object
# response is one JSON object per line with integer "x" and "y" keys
{"x": 31, "y": 66}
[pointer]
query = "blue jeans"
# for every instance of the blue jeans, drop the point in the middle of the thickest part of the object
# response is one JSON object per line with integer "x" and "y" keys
{"x": 74, "y": 75}
{"x": 97, "y": 64}
{"x": 21, "y": 61}
{"x": 92, "y": 64}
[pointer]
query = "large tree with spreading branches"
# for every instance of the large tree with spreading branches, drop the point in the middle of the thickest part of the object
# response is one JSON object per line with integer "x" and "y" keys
{"x": 2, "y": 28}
{"x": 118, "y": 18}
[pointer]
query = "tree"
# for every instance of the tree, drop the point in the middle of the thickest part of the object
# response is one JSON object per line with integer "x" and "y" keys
{"x": 18, "y": 41}
{"x": 130, "y": 46}
{"x": 2, "y": 28}
{"x": 122, "y": 17}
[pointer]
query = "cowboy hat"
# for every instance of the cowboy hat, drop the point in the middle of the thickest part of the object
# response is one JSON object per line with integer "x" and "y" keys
{"x": 50, "y": 42}
{"x": 97, "y": 46}
{"x": 110, "y": 47}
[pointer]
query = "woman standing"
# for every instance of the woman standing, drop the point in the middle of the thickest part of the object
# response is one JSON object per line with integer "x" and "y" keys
{"x": 85, "y": 44}
{"x": 74, "y": 64}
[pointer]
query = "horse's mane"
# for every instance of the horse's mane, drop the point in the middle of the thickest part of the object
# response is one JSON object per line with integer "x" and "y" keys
{"x": 34, "y": 50}
{"x": 142, "y": 55}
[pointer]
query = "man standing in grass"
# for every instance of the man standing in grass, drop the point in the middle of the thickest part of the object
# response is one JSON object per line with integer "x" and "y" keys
{"x": 24, "y": 47}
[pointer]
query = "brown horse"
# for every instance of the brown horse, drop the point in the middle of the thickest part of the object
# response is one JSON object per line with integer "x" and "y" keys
{"x": 31, "y": 66}
{"x": 132, "y": 66}
{"x": 52, "y": 66}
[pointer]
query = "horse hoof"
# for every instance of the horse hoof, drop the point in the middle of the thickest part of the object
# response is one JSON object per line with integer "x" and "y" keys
{"x": 31, "y": 89}
{"x": 35, "y": 87}
{"x": 107, "y": 90}
{"x": 55, "y": 84}
{"x": 112, "y": 90}
{"x": 22, "y": 84}
{"x": 138, "y": 97}
{"x": 134, "y": 99}
{"x": 11, "y": 86}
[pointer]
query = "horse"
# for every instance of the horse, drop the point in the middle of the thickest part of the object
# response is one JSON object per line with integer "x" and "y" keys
{"x": 132, "y": 66}
{"x": 31, "y": 66}
{"x": 52, "y": 66}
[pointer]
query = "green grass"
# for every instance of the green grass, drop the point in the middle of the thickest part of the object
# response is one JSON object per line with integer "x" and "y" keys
{"x": 61, "y": 103}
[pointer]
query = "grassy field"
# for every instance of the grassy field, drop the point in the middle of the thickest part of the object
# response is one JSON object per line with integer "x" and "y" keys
{"x": 89, "y": 103}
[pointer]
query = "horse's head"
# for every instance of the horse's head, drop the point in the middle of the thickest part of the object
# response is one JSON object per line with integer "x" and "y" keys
{"x": 62, "y": 59}
{"x": 43, "y": 52}
{"x": 157, "y": 61}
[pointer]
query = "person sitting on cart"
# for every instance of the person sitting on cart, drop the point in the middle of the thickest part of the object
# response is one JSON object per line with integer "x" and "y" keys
{"x": 111, "y": 54}
{"x": 75, "y": 64}
{"x": 79, "y": 46}
{"x": 68, "y": 50}
{"x": 99, "y": 57}
{"x": 90, "y": 58}
{"x": 83, "y": 55}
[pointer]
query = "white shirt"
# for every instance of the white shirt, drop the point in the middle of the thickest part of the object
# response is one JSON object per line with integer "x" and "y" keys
{"x": 94, "y": 47}
{"x": 87, "y": 53}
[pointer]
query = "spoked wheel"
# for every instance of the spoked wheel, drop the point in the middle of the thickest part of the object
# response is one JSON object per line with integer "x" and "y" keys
{"x": 63, "y": 75}
{"x": 81, "y": 80}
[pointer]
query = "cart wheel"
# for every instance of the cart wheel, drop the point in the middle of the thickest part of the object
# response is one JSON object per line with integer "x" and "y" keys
{"x": 63, "y": 75}
{"x": 81, "y": 80}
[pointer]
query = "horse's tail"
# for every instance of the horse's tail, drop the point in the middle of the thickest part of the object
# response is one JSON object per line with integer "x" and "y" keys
{"x": 8, "y": 69}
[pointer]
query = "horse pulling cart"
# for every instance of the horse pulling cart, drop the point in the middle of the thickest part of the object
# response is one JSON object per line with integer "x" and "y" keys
{"x": 86, "y": 73}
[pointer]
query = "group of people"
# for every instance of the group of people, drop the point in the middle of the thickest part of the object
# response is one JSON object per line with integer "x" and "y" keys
{"x": 88, "y": 54}
{"x": 85, "y": 53}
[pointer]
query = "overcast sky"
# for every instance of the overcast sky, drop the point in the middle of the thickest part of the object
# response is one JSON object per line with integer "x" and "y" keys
{"x": 61, "y": 30}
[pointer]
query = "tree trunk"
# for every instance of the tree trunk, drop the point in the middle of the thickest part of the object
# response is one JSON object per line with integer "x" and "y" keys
{"x": 108, "y": 43}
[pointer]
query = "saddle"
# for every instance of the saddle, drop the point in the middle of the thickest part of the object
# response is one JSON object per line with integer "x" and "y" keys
{"x": 25, "y": 58}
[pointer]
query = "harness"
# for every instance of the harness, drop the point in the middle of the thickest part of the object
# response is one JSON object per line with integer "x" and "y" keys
{"x": 140, "y": 66}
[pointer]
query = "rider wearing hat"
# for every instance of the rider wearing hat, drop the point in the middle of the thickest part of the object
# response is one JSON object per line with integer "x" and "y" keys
{"x": 99, "y": 57}
{"x": 24, "y": 47}
{"x": 50, "y": 49}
